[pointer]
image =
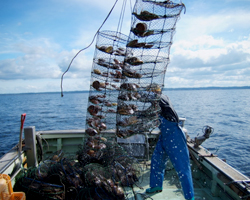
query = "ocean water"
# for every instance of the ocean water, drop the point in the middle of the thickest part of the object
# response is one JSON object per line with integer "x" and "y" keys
{"x": 226, "y": 110}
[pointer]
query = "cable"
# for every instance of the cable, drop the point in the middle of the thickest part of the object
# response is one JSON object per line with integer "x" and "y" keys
{"x": 121, "y": 16}
{"x": 85, "y": 47}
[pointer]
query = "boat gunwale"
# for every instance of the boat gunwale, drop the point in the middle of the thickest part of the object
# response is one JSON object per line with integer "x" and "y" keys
{"x": 232, "y": 174}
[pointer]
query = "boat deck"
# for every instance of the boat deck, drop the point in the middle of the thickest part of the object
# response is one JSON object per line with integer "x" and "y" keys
{"x": 171, "y": 188}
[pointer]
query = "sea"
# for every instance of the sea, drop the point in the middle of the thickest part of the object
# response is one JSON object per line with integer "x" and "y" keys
{"x": 227, "y": 110}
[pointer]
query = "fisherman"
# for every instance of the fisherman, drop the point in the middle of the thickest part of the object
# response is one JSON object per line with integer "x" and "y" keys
{"x": 171, "y": 144}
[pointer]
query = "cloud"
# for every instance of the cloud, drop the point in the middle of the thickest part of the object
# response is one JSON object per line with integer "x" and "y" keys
{"x": 227, "y": 23}
{"x": 41, "y": 58}
{"x": 211, "y": 46}
{"x": 206, "y": 61}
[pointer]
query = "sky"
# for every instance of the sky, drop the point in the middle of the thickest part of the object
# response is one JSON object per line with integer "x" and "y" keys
{"x": 38, "y": 39}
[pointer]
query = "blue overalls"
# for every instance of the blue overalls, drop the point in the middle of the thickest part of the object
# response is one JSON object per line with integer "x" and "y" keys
{"x": 172, "y": 144}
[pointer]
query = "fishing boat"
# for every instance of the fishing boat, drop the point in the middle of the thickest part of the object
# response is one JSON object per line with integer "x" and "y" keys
{"x": 110, "y": 158}
{"x": 213, "y": 178}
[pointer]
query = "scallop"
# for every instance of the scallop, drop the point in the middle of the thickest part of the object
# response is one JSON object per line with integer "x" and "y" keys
{"x": 91, "y": 132}
{"x": 97, "y": 71}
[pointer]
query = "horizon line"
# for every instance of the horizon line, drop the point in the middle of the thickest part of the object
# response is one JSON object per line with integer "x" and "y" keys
{"x": 164, "y": 89}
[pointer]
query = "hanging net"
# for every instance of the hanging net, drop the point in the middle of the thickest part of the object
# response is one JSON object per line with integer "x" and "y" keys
{"x": 150, "y": 39}
{"x": 128, "y": 72}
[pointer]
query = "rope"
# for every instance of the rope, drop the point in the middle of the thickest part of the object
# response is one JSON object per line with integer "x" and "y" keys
{"x": 85, "y": 47}
{"x": 119, "y": 27}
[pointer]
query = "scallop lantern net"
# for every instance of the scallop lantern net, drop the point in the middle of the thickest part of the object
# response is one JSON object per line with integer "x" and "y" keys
{"x": 150, "y": 39}
{"x": 106, "y": 76}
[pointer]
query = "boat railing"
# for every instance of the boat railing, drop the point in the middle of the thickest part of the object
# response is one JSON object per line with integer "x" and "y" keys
{"x": 221, "y": 175}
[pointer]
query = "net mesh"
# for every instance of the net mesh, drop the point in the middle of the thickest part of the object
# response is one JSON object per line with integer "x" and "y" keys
{"x": 106, "y": 76}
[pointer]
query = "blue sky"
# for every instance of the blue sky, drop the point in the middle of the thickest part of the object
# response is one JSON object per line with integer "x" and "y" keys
{"x": 38, "y": 39}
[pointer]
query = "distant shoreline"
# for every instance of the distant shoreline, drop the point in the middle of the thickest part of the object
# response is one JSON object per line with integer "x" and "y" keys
{"x": 209, "y": 88}
{"x": 164, "y": 89}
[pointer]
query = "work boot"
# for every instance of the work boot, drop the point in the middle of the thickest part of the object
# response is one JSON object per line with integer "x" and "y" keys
{"x": 154, "y": 190}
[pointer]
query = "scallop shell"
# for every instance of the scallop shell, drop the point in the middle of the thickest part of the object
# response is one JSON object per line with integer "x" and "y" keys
{"x": 97, "y": 71}
{"x": 91, "y": 132}
{"x": 141, "y": 28}
{"x": 132, "y": 43}
{"x": 96, "y": 85}
{"x": 109, "y": 49}
{"x": 93, "y": 110}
